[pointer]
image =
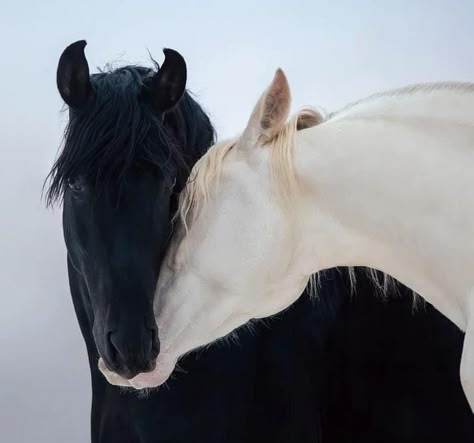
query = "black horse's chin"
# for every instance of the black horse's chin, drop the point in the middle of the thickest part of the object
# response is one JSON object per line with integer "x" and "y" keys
{"x": 129, "y": 373}
{"x": 129, "y": 351}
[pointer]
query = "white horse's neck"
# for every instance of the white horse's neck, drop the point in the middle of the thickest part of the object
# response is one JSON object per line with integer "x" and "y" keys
{"x": 387, "y": 187}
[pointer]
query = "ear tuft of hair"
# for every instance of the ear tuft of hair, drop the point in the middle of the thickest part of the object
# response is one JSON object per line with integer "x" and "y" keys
{"x": 307, "y": 118}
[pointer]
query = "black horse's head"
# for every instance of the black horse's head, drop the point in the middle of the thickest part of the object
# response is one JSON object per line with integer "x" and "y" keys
{"x": 133, "y": 135}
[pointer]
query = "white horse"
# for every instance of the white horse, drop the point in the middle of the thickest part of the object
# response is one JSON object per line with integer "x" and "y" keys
{"x": 387, "y": 183}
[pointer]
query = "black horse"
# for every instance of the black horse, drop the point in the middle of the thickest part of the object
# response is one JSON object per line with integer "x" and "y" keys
{"x": 134, "y": 134}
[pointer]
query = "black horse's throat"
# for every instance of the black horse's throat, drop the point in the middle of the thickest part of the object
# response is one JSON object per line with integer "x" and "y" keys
{"x": 134, "y": 134}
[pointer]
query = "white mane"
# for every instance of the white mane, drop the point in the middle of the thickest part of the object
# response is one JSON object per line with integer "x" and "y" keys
{"x": 394, "y": 102}
{"x": 205, "y": 173}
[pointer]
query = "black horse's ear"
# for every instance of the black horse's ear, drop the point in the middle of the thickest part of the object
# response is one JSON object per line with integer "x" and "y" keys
{"x": 72, "y": 76}
{"x": 168, "y": 84}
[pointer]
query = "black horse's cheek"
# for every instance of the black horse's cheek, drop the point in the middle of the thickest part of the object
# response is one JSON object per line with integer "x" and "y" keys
{"x": 114, "y": 175}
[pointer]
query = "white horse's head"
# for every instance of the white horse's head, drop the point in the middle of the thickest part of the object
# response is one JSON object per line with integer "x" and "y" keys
{"x": 232, "y": 257}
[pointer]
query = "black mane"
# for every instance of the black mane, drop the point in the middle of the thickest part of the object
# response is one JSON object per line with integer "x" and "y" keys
{"x": 120, "y": 130}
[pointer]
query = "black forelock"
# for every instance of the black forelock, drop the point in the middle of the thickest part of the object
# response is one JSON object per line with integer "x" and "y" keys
{"x": 120, "y": 129}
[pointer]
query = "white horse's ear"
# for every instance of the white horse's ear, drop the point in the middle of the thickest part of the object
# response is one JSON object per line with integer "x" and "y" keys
{"x": 270, "y": 112}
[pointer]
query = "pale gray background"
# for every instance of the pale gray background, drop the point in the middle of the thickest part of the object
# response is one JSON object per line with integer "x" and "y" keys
{"x": 332, "y": 51}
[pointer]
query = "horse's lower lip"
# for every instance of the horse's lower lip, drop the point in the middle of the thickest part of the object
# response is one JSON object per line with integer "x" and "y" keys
{"x": 152, "y": 379}
{"x": 109, "y": 366}
{"x": 144, "y": 380}
{"x": 132, "y": 373}
{"x": 139, "y": 386}
{"x": 112, "y": 377}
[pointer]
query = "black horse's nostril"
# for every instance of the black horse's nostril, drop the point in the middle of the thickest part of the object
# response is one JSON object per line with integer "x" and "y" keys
{"x": 131, "y": 353}
{"x": 111, "y": 349}
{"x": 155, "y": 343}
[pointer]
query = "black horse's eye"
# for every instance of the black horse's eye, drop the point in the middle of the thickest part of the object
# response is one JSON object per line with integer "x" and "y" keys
{"x": 75, "y": 186}
{"x": 173, "y": 183}
{"x": 170, "y": 184}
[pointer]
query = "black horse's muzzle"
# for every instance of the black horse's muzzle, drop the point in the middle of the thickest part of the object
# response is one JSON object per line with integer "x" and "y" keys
{"x": 129, "y": 353}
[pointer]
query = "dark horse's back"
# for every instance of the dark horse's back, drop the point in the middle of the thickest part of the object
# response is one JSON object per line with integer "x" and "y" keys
{"x": 393, "y": 374}
{"x": 336, "y": 369}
